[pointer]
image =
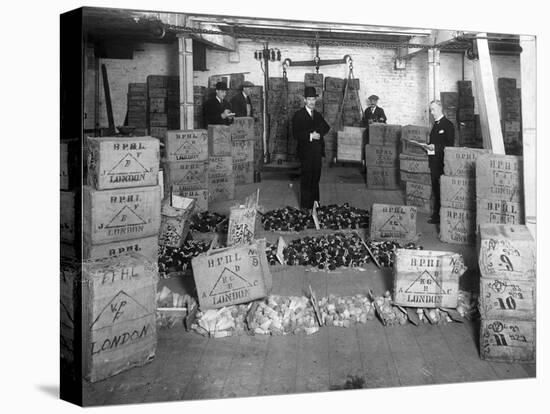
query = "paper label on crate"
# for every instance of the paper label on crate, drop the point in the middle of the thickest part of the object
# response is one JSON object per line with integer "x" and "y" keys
{"x": 508, "y": 341}
{"x": 499, "y": 212}
{"x": 457, "y": 226}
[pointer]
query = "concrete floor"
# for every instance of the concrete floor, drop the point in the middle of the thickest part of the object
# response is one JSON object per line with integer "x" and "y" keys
{"x": 188, "y": 366}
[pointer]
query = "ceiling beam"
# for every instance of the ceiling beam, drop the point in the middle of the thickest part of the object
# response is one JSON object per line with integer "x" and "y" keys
{"x": 437, "y": 38}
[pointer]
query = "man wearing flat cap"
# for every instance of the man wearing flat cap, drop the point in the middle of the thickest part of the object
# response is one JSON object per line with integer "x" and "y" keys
{"x": 217, "y": 110}
{"x": 374, "y": 114}
{"x": 308, "y": 128}
{"x": 240, "y": 103}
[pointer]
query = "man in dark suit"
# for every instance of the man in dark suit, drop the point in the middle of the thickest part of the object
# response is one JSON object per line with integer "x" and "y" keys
{"x": 442, "y": 135}
{"x": 217, "y": 110}
{"x": 240, "y": 103}
{"x": 373, "y": 113}
{"x": 308, "y": 128}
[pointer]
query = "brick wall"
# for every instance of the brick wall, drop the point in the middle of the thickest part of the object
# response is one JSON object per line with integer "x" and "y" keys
{"x": 403, "y": 93}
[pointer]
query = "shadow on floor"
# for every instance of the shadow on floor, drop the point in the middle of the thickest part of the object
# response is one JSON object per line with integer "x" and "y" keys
{"x": 51, "y": 389}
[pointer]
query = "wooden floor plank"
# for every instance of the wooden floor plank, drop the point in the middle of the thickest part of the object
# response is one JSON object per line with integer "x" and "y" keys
{"x": 379, "y": 368}
{"x": 312, "y": 371}
{"x": 440, "y": 360}
{"x": 279, "y": 370}
{"x": 246, "y": 367}
{"x": 410, "y": 363}
{"x": 345, "y": 362}
{"x": 531, "y": 370}
{"x": 209, "y": 378}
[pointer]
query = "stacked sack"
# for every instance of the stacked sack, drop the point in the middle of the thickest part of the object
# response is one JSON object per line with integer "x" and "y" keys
{"x": 458, "y": 195}
{"x": 414, "y": 168}
{"x": 121, "y": 203}
{"x": 381, "y": 154}
{"x": 507, "y": 263}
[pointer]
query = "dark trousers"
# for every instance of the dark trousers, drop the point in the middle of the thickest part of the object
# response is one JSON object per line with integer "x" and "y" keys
{"x": 309, "y": 180}
{"x": 436, "y": 173}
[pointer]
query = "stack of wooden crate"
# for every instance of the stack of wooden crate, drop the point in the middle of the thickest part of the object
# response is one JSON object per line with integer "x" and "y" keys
{"x": 507, "y": 264}
{"x": 199, "y": 96}
{"x": 242, "y": 149}
{"x": 458, "y": 195}
{"x": 499, "y": 189}
{"x": 414, "y": 169}
{"x": 257, "y": 102}
{"x": 278, "y": 119}
{"x": 186, "y": 165}
{"x": 121, "y": 203}
{"x": 383, "y": 173}
{"x": 465, "y": 115}
{"x": 137, "y": 108}
{"x": 69, "y": 198}
{"x": 449, "y": 102}
{"x": 221, "y": 182}
{"x": 510, "y": 115}
{"x": 163, "y": 104}
{"x": 332, "y": 102}
{"x": 350, "y": 144}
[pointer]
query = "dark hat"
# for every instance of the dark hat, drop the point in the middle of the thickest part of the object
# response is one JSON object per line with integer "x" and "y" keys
{"x": 310, "y": 92}
{"x": 221, "y": 86}
{"x": 247, "y": 84}
{"x": 373, "y": 98}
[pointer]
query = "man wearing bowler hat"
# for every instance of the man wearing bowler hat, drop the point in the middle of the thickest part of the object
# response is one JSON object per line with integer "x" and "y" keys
{"x": 374, "y": 114}
{"x": 308, "y": 128}
{"x": 240, "y": 103}
{"x": 217, "y": 110}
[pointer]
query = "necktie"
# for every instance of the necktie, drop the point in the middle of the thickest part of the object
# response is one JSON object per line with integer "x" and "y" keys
{"x": 248, "y": 106}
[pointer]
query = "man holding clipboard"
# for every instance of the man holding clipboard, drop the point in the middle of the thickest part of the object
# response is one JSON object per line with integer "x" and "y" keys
{"x": 442, "y": 135}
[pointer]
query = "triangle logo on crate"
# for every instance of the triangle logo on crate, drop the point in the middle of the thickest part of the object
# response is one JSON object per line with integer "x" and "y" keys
{"x": 460, "y": 196}
{"x": 393, "y": 224}
{"x": 459, "y": 227}
{"x": 229, "y": 281}
{"x": 187, "y": 148}
{"x": 128, "y": 165}
{"x": 122, "y": 307}
{"x": 424, "y": 283}
{"x": 125, "y": 217}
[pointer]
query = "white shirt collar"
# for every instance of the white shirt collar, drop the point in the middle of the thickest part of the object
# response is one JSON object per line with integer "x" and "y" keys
{"x": 218, "y": 98}
{"x": 309, "y": 111}
{"x": 439, "y": 119}
{"x": 244, "y": 94}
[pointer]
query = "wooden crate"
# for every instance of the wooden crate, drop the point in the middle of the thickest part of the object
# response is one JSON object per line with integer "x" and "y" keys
{"x": 313, "y": 79}
{"x": 427, "y": 278}
{"x": 120, "y": 214}
{"x": 187, "y": 173}
{"x": 384, "y": 134}
{"x": 123, "y": 162}
{"x": 69, "y": 299}
{"x": 242, "y": 129}
{"x": 414, "y": 163}
{"x": 118, "y": 315}
{"x": 500, "y": 177}
{"x": 457, "y": 226}
{"x": 449, "y": 99}
{"x": 67, "y": 216}
{"x": 415, "y": 132}
{"x": 200, "y": 195}
{"x": 158, "y": 119}
{"x": 157, "y": 105}
{"x": 147, "y": 246}
{"x": 243, "y": 172}
{"x": 507, "y": 340}
{"x": 158, "y": 132}
{"x": 174, "y": 224}
{"x": 232, "y": 275}
{"x": 220, "y": 167}
{"x": 188, "y": 145}
{"x": 219, "y": 140}
{"x": 507, "y": 299}
{"x": 506, "y": 252}
{"x": 242, "y": 151}
{"x": 221, "y": 188}
{"x": 423, "y": 205}
{"x": 461, "y": 161}
{"x": 382, "y": 178}
{"x": 381, "y": 156}
{"x": 420, "y": 178}
{"x": 458, "y": 192}
{"x": 499, "y": 212}
{"x": 334, "y": 84}
{"x": 393, "y": 222}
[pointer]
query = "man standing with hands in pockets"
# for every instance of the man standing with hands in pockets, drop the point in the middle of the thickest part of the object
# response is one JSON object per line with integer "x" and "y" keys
{"x": 308, "y": 128}
{"x": 442, "y": 135}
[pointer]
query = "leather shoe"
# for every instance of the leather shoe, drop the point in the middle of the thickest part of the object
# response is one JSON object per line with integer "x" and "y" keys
{"x": 433, "y": 221}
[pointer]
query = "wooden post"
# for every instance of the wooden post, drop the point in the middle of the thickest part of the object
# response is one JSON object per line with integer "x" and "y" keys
{"x": 487, "y": 97}
{"x": 187, "y": 107}
{"x": 528, "y": 64}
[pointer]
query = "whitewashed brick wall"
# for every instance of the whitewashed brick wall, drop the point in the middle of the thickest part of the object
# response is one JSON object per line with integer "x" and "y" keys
{"x": 403, "y": 93}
